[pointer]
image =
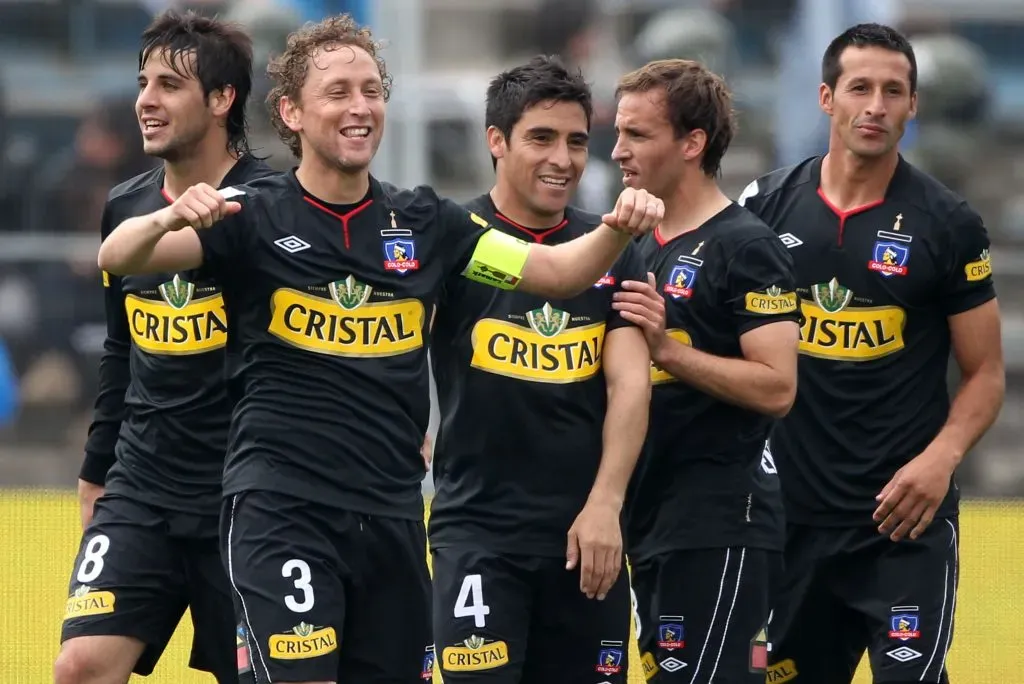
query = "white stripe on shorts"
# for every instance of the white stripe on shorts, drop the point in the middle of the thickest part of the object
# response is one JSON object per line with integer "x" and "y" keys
{"x": 250, "y": 639}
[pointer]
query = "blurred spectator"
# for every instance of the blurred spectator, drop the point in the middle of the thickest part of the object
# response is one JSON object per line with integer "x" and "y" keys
{"x": 8, "y": 388}
{"x": 67, "y": 291}
{"x": 585, "y": 39}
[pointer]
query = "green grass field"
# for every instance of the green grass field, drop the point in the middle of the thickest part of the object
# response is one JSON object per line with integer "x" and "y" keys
{"x": 39, "y": 537}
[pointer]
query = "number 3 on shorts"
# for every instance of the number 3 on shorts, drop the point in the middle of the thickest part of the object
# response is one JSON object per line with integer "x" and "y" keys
{"x": 304, "y": 603}
{"x": 470, "y": 602}
{"x": 92, "y": 558}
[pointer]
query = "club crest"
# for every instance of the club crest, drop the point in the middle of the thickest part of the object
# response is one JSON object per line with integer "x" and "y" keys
{"x": 889, "y": 258}
{"x": 400, "y": 256}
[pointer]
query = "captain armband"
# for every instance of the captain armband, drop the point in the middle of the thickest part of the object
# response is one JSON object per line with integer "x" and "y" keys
{"x": 497, "y": 260}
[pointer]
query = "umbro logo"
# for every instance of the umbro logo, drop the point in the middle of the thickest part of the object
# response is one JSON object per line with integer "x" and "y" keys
{"x": 672, "y": 664}
{"x": 903, "y": 654}
{"x": 292, "y": 244}
{"x": 790, "y": 240}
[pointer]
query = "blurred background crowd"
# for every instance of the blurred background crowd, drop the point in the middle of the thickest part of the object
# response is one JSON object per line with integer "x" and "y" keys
{"x": 68, "y": 134}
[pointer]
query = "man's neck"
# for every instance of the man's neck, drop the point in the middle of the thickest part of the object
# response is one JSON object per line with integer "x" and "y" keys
{"x": 331, "y": 184}
{"x": 691, "y": 205}
{"x": 209, "y": 165}
{"x": 507, "y": 202}
{"x": 849, "y": 181}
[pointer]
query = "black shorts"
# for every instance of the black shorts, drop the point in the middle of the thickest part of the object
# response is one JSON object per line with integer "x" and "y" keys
{"x": 850, "y": 590}
{"x": 702, "y": 614}
{"x": 324, "y": 594}
{"x": 505, "y": 619}
{"x": 138, "y": 568}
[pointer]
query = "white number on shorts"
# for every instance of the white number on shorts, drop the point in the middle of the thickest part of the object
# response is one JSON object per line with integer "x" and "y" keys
{"x": 472, "y": 590}
{"x": 92, "y": 559}
{"x": 767, "y": 460}
{"x": 636, "y": 612}
{"x": 302, "y": 584}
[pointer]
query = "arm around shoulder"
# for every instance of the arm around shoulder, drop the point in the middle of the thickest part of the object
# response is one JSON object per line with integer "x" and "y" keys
{"x": 160, "y": 241}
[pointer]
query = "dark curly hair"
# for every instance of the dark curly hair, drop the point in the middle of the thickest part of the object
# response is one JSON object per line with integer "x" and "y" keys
{"x": 289, "y": 70}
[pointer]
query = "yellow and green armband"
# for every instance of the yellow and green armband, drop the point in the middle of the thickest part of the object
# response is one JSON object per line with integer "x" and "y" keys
{"x": 497, "y": 260}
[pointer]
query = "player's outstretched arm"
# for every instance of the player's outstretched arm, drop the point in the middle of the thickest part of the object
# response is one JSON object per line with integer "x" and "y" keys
{"x": 595, "y": 538}
{"x": 568, "y": 269}
{"x": 156, "y": 243}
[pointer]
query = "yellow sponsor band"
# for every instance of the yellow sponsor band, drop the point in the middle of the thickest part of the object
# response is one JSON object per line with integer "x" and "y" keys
{"x": 649, "y": 666}
{"x": 299, "y": 647}
{"x": 781, "y": 672}
{"x": 978, "y": 270}
{"x": 515, "y": 351}
{"x": 371, "y": 330}
{"x": 90, "y": 603}
{"x": 467, "y": 659}
{"x": 498, "y": 259}
{"x": 768, "y": 304}
{"x": 853, "y": 334}
{"x": 658, "y": 376}
{"x": 158, "y": 328}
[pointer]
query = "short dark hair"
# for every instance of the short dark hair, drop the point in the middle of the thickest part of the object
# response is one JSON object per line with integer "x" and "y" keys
{"x": 542, "y": 79}
{"x": 697, "y": 99}
{"x": 222, "y": 57}
{"x": 862, "y": 36}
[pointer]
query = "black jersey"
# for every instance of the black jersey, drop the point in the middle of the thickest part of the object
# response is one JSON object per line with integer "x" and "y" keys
{"x": 331, "y": 306}
{"x": 162, "y": 406}
{"x": 705, "y": 479}
{"x": 522, "y": 401}
{"x": 877, "y": 284}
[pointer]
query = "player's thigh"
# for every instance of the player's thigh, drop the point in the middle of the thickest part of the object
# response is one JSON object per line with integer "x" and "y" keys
{"x": 704, "y": 615}
{"x": 814, "y": 635}
{"x": 482, "y": 607}
{"x": 576, "y": 640}
{"x": 287, "y": 589}
{"x": 910, "y": 605}
{"x": 127, "y": 580}
{"x": 215, "y": 640}
{"x": 387, "y": 622}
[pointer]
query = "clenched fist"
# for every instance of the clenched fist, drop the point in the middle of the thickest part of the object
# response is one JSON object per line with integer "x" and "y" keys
{"x": 636, "y": 212}
{"x": 200, "y": 206}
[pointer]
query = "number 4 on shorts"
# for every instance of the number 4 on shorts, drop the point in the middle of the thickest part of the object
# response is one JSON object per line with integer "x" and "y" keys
{"x": 470, "y": 602}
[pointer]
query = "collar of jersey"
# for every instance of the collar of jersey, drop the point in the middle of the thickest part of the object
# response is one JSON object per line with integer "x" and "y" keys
{"x": 375, "y": 192}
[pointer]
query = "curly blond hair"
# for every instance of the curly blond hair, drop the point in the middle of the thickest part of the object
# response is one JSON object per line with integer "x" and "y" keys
{"x": 289, "y": 70}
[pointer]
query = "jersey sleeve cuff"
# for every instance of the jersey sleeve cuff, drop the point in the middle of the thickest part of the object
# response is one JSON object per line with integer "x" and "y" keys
{"x": 969, "y": 300}
{"x": 95, "y": 466}
{"x": 749, "y": 324}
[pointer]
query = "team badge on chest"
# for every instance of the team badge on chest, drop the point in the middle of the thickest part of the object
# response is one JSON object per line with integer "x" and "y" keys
{"x": 891, "y": 251}
{"x": 400, "y": 252}
{"x": 682, "y": 277}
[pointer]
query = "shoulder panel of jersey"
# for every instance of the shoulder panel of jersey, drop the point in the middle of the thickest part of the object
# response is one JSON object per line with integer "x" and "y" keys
{"x": 762, "y": 194}
{"x": 124, "y": 198}
{"x": 914, "y": 186}
{"x": 420, "y": 202}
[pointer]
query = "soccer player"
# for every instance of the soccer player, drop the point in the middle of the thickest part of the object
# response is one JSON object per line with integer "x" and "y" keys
{"x": 331, "y": 276}
{"x": 150, "y": 546}
{"x": 893, "y": 271}
{"x": 543, "y": 412}
{"x": 720, "y": 316}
